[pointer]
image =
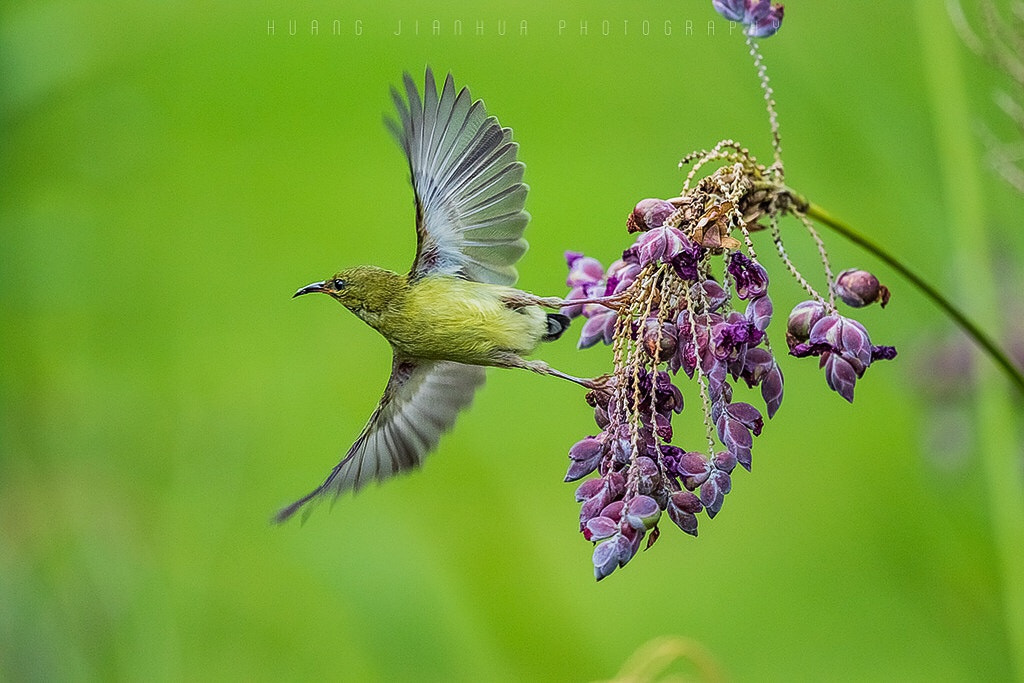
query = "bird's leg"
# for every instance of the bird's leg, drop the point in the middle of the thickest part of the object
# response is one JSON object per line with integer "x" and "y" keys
{"x": 613, "y": 301}
{"x": 511, "y": 360}
{"x": 542, "y": 368}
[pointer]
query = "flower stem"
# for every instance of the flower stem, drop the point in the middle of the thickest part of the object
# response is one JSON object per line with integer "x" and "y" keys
{"x": 979, "y": 336}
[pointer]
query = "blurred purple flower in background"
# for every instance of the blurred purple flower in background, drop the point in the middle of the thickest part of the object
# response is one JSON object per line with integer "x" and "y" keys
{"x": 761, "y": 18}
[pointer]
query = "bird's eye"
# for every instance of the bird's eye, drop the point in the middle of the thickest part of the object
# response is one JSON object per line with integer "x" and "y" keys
{"x": 338, "y": 283}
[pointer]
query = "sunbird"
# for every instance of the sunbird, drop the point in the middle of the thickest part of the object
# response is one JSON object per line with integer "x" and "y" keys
{"x": 456, "y": 311}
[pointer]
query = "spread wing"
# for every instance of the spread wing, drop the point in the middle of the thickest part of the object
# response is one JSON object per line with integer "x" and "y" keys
{"x": 420, "y": 402}
{"x": 468, "y": 184}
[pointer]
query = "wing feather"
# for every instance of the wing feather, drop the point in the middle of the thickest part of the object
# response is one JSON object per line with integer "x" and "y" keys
{"x": 466, "y": 179}
{"x": 420, "y": 403}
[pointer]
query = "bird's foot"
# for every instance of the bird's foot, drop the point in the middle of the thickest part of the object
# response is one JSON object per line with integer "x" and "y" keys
{"x": 613, "y": 301}
{"x": 542, "y": 368}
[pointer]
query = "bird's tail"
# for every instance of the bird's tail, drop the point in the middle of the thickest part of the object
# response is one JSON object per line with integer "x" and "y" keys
{"x": 557, "y": 324}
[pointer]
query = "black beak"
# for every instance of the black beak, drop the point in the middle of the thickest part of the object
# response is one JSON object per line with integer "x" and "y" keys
{"x": 309, "y": 289}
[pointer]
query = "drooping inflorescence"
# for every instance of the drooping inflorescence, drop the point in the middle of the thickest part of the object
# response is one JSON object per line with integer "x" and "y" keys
{"x": 692, "y": 295}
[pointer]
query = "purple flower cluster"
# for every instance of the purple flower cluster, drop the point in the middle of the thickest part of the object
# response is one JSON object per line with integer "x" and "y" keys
{"x": 678, "y": 318}
{"x": 588, "y": 279}
{"x": 842, "y": 343}
{"x": 761, "y": 17}
{"x": 672, "y": 313}
{"x": 668, "y": 304}
{"x": 626, "y": 501}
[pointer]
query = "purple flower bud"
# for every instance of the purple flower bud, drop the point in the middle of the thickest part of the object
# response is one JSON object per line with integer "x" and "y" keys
{"x": 600, "y": 528}
{"x": 763, "y": 19}
{"x": 663, "y": 427}
{"x": 693, "y": 346}
{"x": 737, "y": 439}
{"x": 606, "y": 559}
{"x": 574, "y": 310}
{"x": 747, "y": 415}
{"x": 686, "y": 261}
{"x": 737, "y": 425}
{"x": 586, "y": 449}
{"x": 691, "y": 467}
{"x": 616, "y": 485}
{"x": 600, "y": 327}
{"x": 668, "y": 397}
{"x": 620, "y": 276}
{"x": 613, "y": 511}
{"x": 592, "y": 507}
{"x": 711, "y": 292}
{"x": 845, "y": 336}
{"x": 686, "y": 501}
{"x": 719, "y": 390}
{"x": 759, "y": 312}
{"x": 661, "y": 244}
{"x": 882, "y": 353}
{"x": 571, "y": 257}
{"x": 682, "y": 509}
{"x": 801, "y": 320}
{"x": 725, "y": 461}
{"x": 733, "y": 10}
{"x": 712, "y": 492}
{"x": 649, "y": 214}
{"x": 581, "y": 468}
{"x": 659, "y": 339}
{"x": 628, "y": 543}
{"x": 750, "y": 277}
{"x": 648, "y": 476}
{"x": 588, "y": 489}
{"x": 845, "y": 350}
{"x": 583, "y": 270}
{"x": 840, "y": 375}
{"x": 642, "y": 512}
{"x": 859, "y": 288}
{"x": 621, "y": 445}
{"x": 586, "y": 279}
{"x": 757, "y": 363}
{"x": 669, "y": 456}
{"x": 771, "y": 389}
{"x": 585, "y": 456}
{"x": 730, "y": 339}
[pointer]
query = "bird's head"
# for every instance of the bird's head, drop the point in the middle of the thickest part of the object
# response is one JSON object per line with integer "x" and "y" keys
{"x": 363, "y": 288}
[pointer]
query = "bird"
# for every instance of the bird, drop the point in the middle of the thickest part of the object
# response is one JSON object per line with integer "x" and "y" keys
{"x": 456, "y": 311}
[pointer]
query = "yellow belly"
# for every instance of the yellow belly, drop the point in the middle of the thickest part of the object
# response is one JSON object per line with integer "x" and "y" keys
{"x": 452, "y": 319}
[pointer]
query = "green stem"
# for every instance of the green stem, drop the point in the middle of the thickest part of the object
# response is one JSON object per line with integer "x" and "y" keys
{"x": 976, "y": 333}
{"x": 971, "y": 246}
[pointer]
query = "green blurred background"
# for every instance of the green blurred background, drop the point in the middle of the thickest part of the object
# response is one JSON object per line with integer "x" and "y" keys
{"x": 170, "y": 174}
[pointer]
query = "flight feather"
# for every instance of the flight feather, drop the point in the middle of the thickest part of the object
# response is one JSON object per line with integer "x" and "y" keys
{"x": 467, "y": 181}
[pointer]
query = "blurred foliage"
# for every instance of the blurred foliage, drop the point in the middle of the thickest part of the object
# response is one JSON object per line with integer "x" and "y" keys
{"x": 170, "y": 173}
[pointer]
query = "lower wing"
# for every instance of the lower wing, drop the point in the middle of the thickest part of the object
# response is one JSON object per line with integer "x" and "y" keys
{"x": 421, "y": 401}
